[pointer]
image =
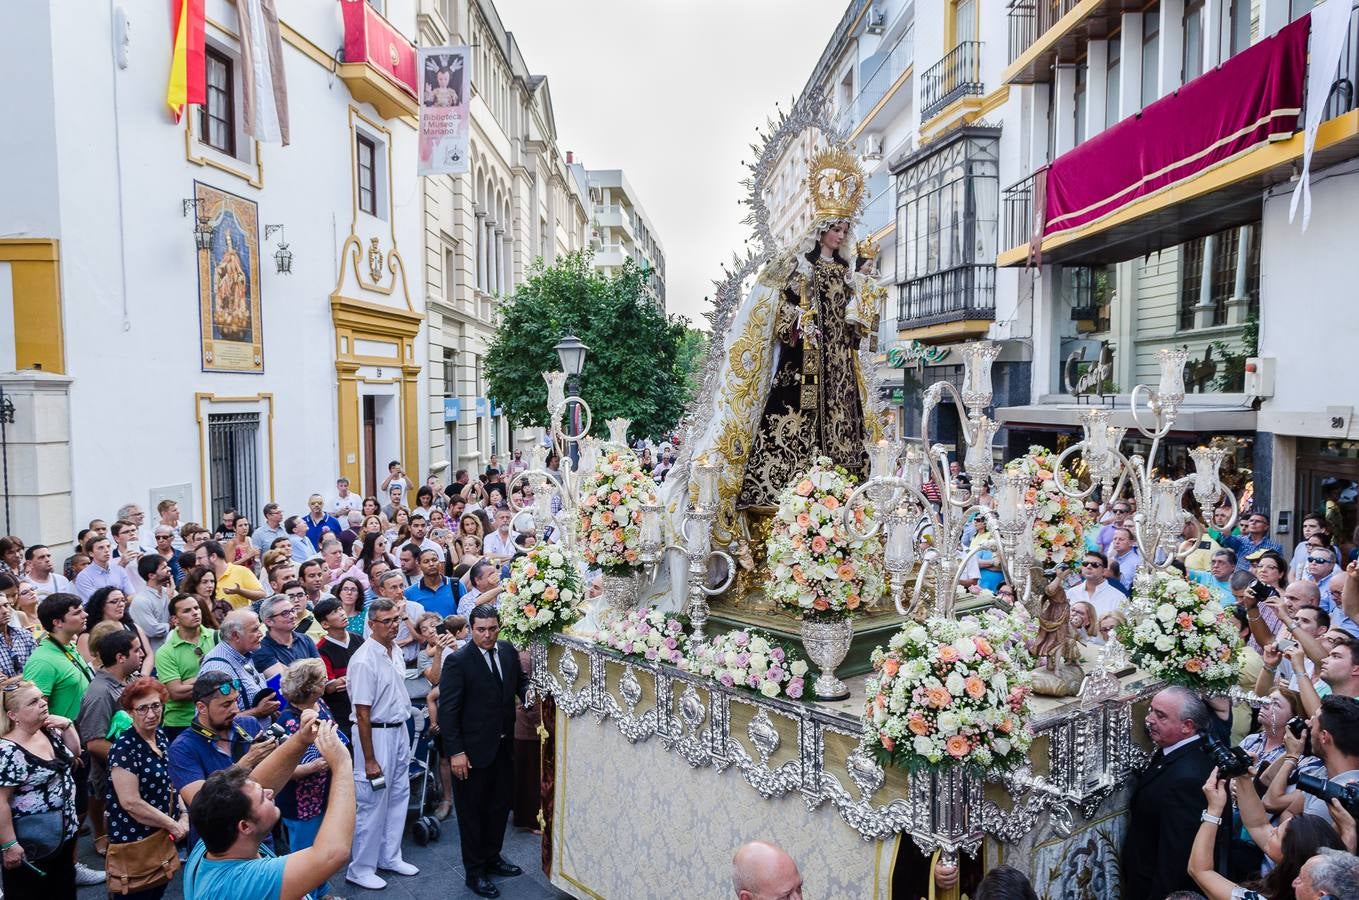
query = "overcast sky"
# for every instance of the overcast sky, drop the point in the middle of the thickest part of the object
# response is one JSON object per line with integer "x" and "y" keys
{"x": 671, "y": 91}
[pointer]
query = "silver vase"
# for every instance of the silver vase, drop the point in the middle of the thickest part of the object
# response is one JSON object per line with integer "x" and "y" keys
{"x": 621, "y": 593}
{"x": 827, "y": 644}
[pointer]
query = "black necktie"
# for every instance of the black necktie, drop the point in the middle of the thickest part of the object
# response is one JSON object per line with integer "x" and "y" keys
{"x": 495, "y": 666}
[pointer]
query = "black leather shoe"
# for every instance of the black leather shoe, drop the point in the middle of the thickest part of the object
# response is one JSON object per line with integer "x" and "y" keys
{"x": 482, "y": 887}
{"x": 504, "y": 869}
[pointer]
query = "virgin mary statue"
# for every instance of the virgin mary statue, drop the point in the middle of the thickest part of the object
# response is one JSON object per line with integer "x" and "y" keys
{"x": 791, "y": 387}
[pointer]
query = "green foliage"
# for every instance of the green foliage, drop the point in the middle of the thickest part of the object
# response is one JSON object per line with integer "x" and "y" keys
{"x": 640, "y": 360}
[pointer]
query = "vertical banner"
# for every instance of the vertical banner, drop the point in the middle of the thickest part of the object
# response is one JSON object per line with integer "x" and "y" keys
{"x": 229, "y": 283}
{"x": 445, "y": 92}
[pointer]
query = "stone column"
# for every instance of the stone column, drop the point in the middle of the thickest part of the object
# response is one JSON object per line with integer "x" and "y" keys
{"x": 1239, "y": 306}
{"x": 1064, "y": 109}
{"x": 1203, "y": 310}
{"x": 1130, "y": 66}
{"x": 36, "y": 460}
{"x": 1096, "y": 81}
{"x": 481, "y": 250}
{"x": 500, "y": 279}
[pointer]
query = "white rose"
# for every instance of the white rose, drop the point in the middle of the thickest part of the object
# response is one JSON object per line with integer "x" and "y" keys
{"x": 798, "y": 668}
{"x": 1166, "y": 613}
{"x": 917, "y": 634}
{"x": 769, "y": 688}
{"x": 955, "y": 684}
{"x": 923, "y": 746}
{"x": 1164, "y": 643}
{"x": 948, "y": 722}
{"x": 758, "y": 663}
{"x": 965, "y": 647}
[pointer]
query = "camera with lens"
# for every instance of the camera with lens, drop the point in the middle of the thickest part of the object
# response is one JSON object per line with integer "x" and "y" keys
{"x": 1322, "y": 787}
{"x": 1230, "y": 761}
{"x": 1297, "y": 725}
{"x": 274, "y": 732}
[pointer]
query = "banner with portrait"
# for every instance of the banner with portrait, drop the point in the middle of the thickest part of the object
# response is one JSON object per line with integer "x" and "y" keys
{"x": 229, "y": 283}
{"x": 445, "y": 93}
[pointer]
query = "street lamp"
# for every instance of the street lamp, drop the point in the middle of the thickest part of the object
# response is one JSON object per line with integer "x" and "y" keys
{"x": 572, "y": 352}
{"x": 283, "y": 257}
{"x": 202, "y": 231}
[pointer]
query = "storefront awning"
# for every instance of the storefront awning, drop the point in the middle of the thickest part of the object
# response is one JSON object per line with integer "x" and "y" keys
{"x": 1205, "y": 419}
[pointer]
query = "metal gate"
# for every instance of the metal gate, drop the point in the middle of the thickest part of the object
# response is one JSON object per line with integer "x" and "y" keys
{"x": 233, "y": 463}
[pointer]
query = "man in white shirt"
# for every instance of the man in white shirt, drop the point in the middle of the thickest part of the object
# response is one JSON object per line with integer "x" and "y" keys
{"x": 396, "y": 478}
{"x": 343, "y": 503}
{"x": 382, "y": 750}
{"x": 419, "y": 529}
{"x": 499, "y": 544}
{"x": 484, "y": 586}
{"x": 1095, "y": 589}
{"x": 41, "y": 574}
{"x": 271, "y": 530}
{"x": 168, "y": 510}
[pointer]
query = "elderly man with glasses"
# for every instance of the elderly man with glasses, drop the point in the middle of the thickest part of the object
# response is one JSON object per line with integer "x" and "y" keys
{"x": 1218, "y": 578}
{"x": 239, "y": 638}
{"x": 1120, "y": 512}
{"x": 283, "y": 645}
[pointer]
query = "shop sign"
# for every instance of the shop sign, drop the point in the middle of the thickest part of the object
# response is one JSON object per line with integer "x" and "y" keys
{"x": 1087, "y": 377}
{"x": 914, "y": 353}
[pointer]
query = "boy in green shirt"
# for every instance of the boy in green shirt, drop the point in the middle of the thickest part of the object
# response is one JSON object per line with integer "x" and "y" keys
{"x": 56, "y": 666}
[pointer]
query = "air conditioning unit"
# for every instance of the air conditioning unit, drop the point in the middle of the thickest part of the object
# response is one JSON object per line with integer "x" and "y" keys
{"x": 872, "y": 146}
{"x": 877, "y": 21}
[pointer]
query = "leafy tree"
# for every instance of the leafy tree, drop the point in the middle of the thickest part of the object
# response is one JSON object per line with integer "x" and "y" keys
{"x": 635, "y": 368}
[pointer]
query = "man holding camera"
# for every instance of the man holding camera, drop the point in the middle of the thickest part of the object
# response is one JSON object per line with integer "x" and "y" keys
{"x": 1334, "y": 731}
{"x": 1167, "y": 804}
{"x": 234, "y": 813}
{"x": 376, "y": 679}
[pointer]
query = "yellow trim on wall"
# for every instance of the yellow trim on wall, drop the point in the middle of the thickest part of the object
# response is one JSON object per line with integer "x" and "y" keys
{"x": 1247, "y": 166}
{"x": 966, "y": 109}
{"x": 35, "y": 281}
{"x": 254, "y": 179}
{"x": 358, "y": 320}
{"x": 966, "y": 329}
{"x": 1048, "y": 39}
{"x": 353, "y": 245}
{"x": 199, "y": 399}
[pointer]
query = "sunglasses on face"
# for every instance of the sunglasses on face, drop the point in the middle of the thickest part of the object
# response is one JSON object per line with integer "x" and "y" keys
{"x": 1318, "y": 560}
{"x": 226, "y": 687}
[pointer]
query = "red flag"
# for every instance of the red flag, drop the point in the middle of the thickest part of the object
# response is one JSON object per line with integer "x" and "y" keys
{"x": 188, "y": 63}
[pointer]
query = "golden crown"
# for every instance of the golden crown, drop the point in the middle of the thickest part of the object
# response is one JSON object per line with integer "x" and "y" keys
{"x": 867, "y": 248}
{"x": 837, "y": 184}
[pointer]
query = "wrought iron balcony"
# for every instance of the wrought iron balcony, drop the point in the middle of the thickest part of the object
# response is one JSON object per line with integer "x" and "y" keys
{"x": 1018, "y": 222}
{"x": 958, "y": 74}
{"x": 960, "y": 294}
{"x": 1031, "y": 19}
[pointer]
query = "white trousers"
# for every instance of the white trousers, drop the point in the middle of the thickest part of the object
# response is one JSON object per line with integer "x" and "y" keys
{"x": 381, "y": 817}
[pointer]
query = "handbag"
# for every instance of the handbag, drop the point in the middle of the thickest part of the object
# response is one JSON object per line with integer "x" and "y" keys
{"x": 141, "y": 865}
{"x": 40, "y": 834}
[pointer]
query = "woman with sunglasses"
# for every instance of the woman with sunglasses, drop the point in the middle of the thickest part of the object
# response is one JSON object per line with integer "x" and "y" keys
{"x": 37, "y": 753}
{"x": 142, "y": 802}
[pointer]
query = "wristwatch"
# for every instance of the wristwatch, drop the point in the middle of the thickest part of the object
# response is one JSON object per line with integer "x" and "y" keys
{"x": 1210, "y": 818}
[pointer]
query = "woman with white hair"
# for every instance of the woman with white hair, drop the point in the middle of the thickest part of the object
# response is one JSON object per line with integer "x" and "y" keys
{"x": 302, "y": 802}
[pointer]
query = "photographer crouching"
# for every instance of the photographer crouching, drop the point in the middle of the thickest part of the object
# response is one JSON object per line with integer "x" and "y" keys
{"x": 1317, "y": 818}
{"x": 234, "y": 812}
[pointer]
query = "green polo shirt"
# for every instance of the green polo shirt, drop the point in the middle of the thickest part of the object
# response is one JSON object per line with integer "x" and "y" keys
{"x": 62, "y": 676}
{"x": 178, "y": 660}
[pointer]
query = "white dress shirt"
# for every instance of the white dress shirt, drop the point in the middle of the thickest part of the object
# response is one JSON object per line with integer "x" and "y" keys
{"x": 376, "y": 678}
{"x": 1105, "y": 599}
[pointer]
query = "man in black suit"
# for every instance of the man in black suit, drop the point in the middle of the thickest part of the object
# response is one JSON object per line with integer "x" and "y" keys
{"x": 1166, "y": 806}
{"x": 477, "y": 690}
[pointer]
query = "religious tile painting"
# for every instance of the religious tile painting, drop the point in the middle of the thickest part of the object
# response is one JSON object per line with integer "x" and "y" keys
{"x": 229, "y": 283}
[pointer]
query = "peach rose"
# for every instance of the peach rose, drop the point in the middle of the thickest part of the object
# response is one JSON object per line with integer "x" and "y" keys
{"x": 804, "y": 488}
{"x": 958, "y": 746}
{"x": 821, "y": 604}
{"x": 615, "y": 498}
{"x": 948, "y": 654}
{"x": 530, "y": 610}
{"x": 938, "y": 697}
{"x": 852, "y": 601}
{"x": 1005, "y": 726}
{"x": 1194, "y": 665}
{"x": 830, "y": 503}
{"x": 606, "y": 517}
{"x": 803, "y": 519}
{"x": 976, "y": 688}
{"x": 890, "y": 667}
{"x": 887, "y": 742}
{"x": 918, "y": 724}
{"x": 984, "y": 647}
{"x": 818, "y": 544}
{"x": 550, "y": 592}
{"x": 845, "y": 571}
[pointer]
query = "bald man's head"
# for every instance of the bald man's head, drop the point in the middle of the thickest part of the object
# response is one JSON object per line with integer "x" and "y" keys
{"x": 762, "y": 871}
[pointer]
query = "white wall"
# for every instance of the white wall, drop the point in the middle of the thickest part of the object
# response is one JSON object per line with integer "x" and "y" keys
{"x": 130, "y": 305}
{"x": 1307, "y": 323}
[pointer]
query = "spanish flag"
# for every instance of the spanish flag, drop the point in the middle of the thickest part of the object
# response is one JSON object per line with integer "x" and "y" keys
{"x": 188, "y": 83}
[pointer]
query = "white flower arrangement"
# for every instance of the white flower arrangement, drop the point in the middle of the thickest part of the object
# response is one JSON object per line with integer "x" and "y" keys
{"x": 1057, "y": 527}
{"x": 951, "y": 693}
{"x": 816, "y": 566}
{"x": 749, "y": 659}
{"x": 648, "y": 633}
{"x": 542, "y": 596}
{"x": 612, "y": 496}
{"x": 1179, "y": 633}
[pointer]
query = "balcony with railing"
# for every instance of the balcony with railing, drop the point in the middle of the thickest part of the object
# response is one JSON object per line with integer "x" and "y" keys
{"x": 877, "y": 214}
{"x": 1193, "y": 163}
{"x": 955, "y": 76}
{"x": 964, "y": 294}
{"x": 1044, "y": 32}
{"x": 886, "y": 71}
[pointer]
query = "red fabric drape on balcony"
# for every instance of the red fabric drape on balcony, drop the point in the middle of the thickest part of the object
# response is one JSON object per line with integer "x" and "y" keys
{"x": 1207, "y": 122}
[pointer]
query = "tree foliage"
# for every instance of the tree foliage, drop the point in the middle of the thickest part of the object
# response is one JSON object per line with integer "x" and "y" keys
{"x": 638, "y": 364}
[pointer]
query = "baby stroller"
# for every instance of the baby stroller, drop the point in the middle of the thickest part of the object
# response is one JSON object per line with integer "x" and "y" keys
{"x": 424, "y": 774}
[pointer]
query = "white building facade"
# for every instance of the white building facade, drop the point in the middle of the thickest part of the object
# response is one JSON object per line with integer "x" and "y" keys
{"x": 523, "y": 200}
{"x": 623, "y": 231}
{"x": 143, "y": 367}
